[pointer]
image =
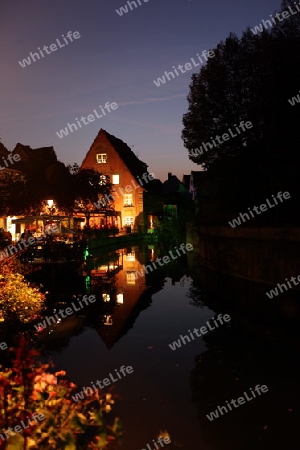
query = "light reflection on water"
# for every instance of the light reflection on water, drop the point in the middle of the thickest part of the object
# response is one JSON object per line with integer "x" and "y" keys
{"x": 174, "y": 390}
{"x": 137, "y": 331}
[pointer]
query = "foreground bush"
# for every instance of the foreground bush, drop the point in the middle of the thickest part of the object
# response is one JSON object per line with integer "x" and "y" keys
{"x": 18, "y": 299}
{"x": 28, "y": 389}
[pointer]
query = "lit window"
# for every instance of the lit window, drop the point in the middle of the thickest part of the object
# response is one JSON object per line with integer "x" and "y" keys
{"x": 130, "y": 277}
{"x": 108, "y": 320}
{"x": 102, "y": 180}
{"x": 120, "y": 299}
{"x": 128, "y": 200}
{"x": 128, "y": 221}
{"x": 130, "y": 257}
{"x": 116, "y": 179}
{"x": 101, "y": 158}
{"x": 106, "y": 297}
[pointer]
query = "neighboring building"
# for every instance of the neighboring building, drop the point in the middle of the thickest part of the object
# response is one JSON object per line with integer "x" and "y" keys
{"x": 197, "y": 178}
{"x": 166, "y": 202}
{"x": 30, "y": 158}
{"x": 129, "y": 177}
{"x": 186, "y": 181}
{"x": 175, "y": 194}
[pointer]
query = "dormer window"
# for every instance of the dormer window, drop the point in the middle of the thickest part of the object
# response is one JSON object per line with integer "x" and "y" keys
{"x": 101, "y": 158}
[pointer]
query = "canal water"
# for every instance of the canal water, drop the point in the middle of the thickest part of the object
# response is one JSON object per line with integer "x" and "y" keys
{"x": 133, "y": 323}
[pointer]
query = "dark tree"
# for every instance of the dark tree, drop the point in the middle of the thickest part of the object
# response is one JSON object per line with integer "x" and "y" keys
{"x": 60, "y": 186}
{"x": 251, "y": 78}
{"x": 90, "y": 186}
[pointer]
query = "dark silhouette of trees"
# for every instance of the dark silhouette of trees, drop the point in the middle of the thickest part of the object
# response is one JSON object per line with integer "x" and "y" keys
{"x": 60, "y": 186}
{"x": 39, "y": 176}
{"x": 250, "y": 79}
{"x": 89, "y": 186}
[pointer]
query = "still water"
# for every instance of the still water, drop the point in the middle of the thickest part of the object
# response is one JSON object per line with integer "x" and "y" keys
{"x": 132, "y": 324}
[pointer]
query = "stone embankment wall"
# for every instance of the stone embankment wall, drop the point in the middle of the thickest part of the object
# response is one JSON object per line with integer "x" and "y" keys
{"x": 267, "y": 255}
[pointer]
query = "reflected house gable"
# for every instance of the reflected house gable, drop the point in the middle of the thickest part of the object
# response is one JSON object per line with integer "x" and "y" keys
{"x": 120, "y": 319}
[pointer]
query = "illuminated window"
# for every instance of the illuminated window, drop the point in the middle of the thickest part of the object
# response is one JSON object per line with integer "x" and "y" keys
{"x": 103, "y": 180}
{"x": 128, "y": 221}
{"x": 130, "y": 256}
{"x": 106, "y": 297}
{"x": 108, "y": 320}
{"x": 101, "y": 158}
{"x": 120, "y": 299}
{"x": 116, "y": 179}
{"x": 128, "y": 200}
{"x": 130, "y": 277}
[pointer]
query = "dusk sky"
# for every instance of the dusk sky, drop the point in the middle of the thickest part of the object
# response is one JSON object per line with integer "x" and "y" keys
{"x": 115, "y": 59}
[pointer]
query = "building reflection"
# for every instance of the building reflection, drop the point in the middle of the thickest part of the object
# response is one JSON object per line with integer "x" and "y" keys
{"x": 119, "y": 287}
{"x": 122, "y": 289}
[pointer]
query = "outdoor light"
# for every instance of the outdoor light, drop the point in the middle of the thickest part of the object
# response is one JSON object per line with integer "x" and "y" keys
{"x": 152, "y": 254}
{"x": 50, "y": 203}
{"x": 106, "y": 297}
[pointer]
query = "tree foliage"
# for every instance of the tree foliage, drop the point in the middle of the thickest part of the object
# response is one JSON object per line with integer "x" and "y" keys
{"x": 88, "y": 187}
{"x": 250, "y": 78}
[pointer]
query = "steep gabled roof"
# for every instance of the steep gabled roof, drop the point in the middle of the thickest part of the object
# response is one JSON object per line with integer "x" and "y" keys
{"x": 3, "y": 151}
{"x": 173, "y": 185}
{"x": 134, "y": 164}
{"x": 37, "y": 158}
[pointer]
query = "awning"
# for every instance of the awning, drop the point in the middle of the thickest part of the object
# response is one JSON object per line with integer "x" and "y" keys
{"x": 29, "y": 219}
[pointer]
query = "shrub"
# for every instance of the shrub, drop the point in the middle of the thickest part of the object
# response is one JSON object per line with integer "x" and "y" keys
{"x": 28, "y": 388}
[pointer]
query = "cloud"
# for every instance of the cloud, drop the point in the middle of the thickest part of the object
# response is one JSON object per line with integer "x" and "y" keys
{"x": 151, "y": 100}
{"x": 88, "y": 110}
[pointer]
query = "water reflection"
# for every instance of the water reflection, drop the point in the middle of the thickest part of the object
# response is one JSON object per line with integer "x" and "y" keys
{"x": 259, "y": 347}
{"x": 112, "y": 277}
{"x": 134, "y": 320}
{"x": 114, "y": 283}
{"x": 235, "y": 361}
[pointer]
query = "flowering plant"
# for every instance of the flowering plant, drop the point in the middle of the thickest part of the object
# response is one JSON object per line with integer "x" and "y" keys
{"x": 28, "y": 388}
{"x": 18, "y": 298}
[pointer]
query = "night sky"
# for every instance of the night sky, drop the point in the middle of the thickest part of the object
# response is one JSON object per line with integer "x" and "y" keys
{"x": 115, "y": 59}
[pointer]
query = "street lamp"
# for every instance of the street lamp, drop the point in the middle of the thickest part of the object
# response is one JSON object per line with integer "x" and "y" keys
{"x": 50, "y": 206}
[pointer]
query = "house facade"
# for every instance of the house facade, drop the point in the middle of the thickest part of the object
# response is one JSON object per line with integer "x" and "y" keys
{"x": 129, "y": 176}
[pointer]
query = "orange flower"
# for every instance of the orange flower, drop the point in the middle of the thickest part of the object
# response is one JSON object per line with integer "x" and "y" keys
{"x": 42, "y": 381}
{"x": 61, "y": 373}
